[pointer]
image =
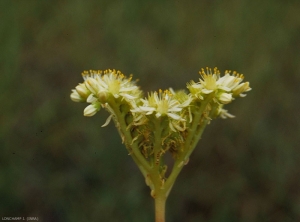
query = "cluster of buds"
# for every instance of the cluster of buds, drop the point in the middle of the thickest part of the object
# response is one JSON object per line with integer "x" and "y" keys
{"x": 163, "y": 121}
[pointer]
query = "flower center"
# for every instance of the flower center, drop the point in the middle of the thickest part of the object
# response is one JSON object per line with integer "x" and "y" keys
{"x": 163, "y": 107}
{"x": 114, "y": 87}
{"x": 210, "y": 82}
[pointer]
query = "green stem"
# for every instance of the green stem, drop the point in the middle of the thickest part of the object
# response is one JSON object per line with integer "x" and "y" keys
{"x": 138, "y": 158}
{"x": 157, "y": 144}
{"x": 199, "y": 132}
{"x": 192, "y": 129}
{"x": 177, "y": 167}
{"x": 160, "y": 203}
{"x": 201, "y": 129}
{"x": 154, "y": 173}
{"x": 194, "y": 135}
{"x": 179, "y": 163}
{"x": 196, "y": 139}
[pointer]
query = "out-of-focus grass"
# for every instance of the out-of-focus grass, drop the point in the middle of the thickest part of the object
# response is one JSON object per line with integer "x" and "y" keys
{"x": 61, "y": 166}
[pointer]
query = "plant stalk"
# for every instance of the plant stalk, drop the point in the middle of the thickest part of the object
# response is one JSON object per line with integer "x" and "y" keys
{"x": 160, "y": 204}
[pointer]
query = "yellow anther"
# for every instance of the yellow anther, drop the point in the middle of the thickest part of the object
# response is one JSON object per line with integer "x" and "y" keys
{"x": 216, "y": 71}
{"x": 85, "y": 73}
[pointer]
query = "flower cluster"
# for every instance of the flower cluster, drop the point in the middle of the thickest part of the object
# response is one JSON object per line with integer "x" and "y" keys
{"x": 225, "y": 88}
{"x": 164, "y": 121}
{"x": 163, "y": 103}
{"x": 100, "y": 88}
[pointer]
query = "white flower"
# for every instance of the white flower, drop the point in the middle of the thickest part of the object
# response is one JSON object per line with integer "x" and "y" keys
{"x": 210, "y": 81}
{"x": 234, "y": 83}
{"x": 229, "y": 81}
{"x": 92, "y": 84}
{"x": 225, "y": 87}
{"x": 182, "y": 97}
{"x": 208, "y": 84}
{"x": 100, "y": 87}
{"x": 111, "y": 82}
{"x": 240, "y": 89}
{"x": 185, "y": 100}
{"x": 194, "y": 89}
{"x": 161, "y": 104}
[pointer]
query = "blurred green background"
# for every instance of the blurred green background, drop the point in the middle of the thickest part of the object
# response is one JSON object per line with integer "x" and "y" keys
{"x": 58, "y": 165}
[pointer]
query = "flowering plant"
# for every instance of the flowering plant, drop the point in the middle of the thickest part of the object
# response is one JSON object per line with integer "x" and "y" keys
{"x": 164, "y": 121}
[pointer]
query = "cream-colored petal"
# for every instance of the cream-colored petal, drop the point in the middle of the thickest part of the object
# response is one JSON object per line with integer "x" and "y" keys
{"x": 91, "y": 99}
{"x": 75, "y": 97}
{"x": 90, "y": 110}
{"x": 174, "y": 116}
{"x": 207, "y": 91}
{"x": 107, "y": 121}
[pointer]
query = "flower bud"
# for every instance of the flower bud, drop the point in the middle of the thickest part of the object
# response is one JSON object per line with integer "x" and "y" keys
{"x": 238, "y": 90}
{"x": 82, "y": 90}
{"x": 102, "y": 97}
{"x": 225, "y": 98}
{"x": 76, "y": 97}
{"x": 92, "y": 85}
{"x": 92, "y": 109}
{"x": 91, "y": 99}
